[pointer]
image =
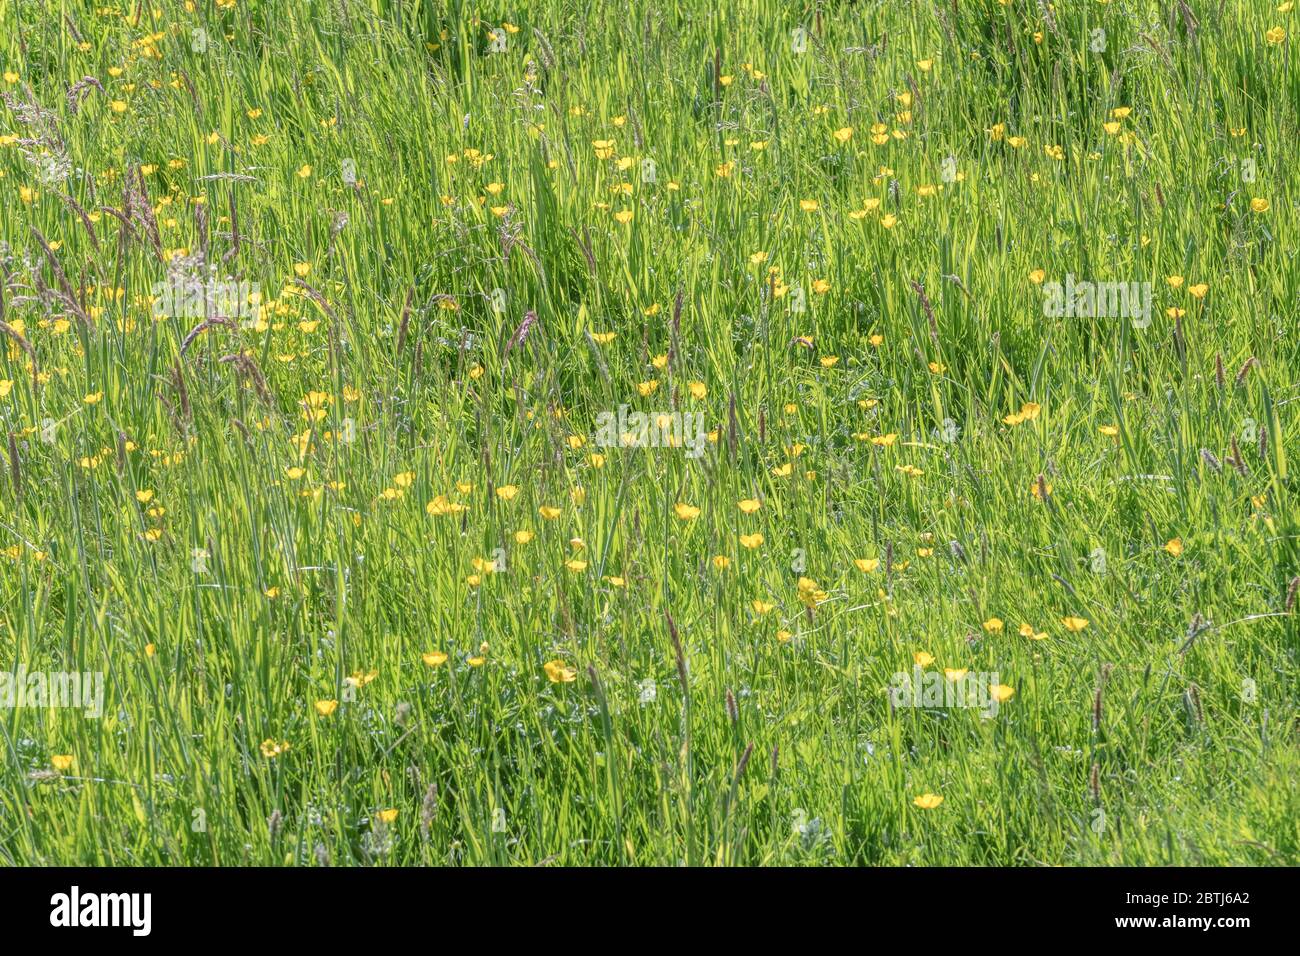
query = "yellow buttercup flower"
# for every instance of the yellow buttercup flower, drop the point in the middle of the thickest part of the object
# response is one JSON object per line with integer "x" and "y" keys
{"x": 810, "y": 593}
{"x": 557, "y": 672}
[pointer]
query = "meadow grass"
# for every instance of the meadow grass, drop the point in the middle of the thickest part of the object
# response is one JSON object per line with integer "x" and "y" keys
{"x": 365, "y": 587}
